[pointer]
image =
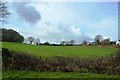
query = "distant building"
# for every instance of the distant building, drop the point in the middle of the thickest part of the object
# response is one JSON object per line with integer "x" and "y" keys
{"x": 118, "y": 42}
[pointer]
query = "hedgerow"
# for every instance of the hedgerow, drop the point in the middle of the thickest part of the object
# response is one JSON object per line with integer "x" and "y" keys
{"x": 21, "y": 61}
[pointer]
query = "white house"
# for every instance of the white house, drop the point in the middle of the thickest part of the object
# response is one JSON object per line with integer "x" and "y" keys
{"x": 117, "y": 42}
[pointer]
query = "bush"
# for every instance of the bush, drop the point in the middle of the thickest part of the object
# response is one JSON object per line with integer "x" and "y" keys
{"x": 21, "y": 61}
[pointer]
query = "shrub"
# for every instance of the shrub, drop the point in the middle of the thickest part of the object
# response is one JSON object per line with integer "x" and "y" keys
{"x": 20, "y": 61}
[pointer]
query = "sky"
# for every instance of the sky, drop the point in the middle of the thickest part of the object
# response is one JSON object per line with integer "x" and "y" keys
{"x": 57, "y": 21}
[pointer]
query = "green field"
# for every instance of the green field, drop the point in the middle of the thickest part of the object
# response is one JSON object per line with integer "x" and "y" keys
{"x": 47, "y": 51}
{"x": 80, "y": 51}
{"x": 33, "y": 74}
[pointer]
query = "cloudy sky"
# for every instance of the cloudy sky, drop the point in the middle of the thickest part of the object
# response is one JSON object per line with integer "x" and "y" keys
{"x": 56, "y": 21}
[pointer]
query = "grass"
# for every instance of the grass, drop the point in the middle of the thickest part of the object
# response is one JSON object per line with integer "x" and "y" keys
{"x": 33, "y": 74}
{"x": 46, "y": 51}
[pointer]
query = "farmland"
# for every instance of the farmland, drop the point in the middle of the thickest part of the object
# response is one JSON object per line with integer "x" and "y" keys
{"x": 46, "y": 51}
{"x": 66, "y": 51}
{"x": 59, "y": 39}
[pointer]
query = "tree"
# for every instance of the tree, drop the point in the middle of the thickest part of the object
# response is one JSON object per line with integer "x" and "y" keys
{"x": 10, "y": 35}
{"x": 63, "y": 43}
{"x": 4, "y": 13}
{"x": 30, "y": 40}
{"x": 72, "y": 42}
{"x": 37, "y": 41}
{"x": 98, "y": 39}
{"x": 46, "y": 43}
{"x": 84, "y": 42}
{"x": 68, "y": 43}
{"x": 105, "y": 41}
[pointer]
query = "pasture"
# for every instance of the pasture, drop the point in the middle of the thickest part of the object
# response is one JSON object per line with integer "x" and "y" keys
{"x": 47, "y": 51}
{"x": 66, "y": 51}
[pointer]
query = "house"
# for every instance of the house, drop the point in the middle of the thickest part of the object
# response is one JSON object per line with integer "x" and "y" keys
{"x": 118, "y": 42}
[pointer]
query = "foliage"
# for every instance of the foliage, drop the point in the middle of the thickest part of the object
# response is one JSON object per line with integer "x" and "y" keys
{"x": 23, "y": 61}
{"x": 6, "y": 58}
{"x": 10, "y": 35}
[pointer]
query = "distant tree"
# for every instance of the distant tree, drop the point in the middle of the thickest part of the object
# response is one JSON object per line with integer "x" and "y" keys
{"x": 105, "y": 41}
{"x": 84, "y": 42}
{"x": 46, "y": 43}
{"x": 10, "y": 35}
{"x": 72, "y": 42}
{"x": 63, "y": 43}
{"x": 30, "y": 40}
{"x": 37, "y": 41}
{"x": 67, "y": 43}
{"x": 98, "y": 39}
{"x": 4, "y": 13}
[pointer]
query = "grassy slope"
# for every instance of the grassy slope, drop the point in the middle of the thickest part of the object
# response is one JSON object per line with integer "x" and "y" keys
{"x": 32, "y": 74}
{"x": 81, "y": 51}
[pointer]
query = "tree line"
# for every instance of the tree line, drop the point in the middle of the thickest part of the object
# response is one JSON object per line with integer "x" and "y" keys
{"x": 32, "y": 40}
{"x": 10, "y": 35}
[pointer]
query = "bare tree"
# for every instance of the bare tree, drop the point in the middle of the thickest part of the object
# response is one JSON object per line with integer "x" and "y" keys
{"x": 63, "y": 43}
{"x": 30, "y": 40}
{"x": 98, "y": 39}
{"x": 67, "y": 42}
{"x": 105, "y": 41}
{"x": 4, "y": 13}
{"x": 37, "y": 41}
{"x": 84, "y": 42}
{"x": 72, "y": 42}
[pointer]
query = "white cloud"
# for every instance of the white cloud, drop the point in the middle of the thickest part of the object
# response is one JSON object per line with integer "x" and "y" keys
{"x": 55, "y": 32}
{"x": 75, "y": 30}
